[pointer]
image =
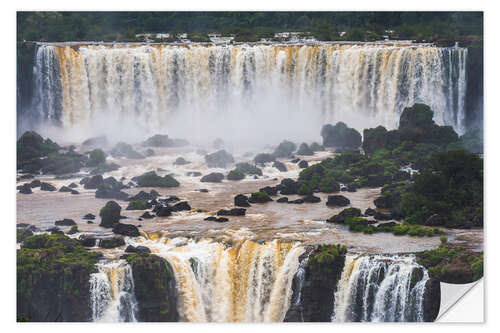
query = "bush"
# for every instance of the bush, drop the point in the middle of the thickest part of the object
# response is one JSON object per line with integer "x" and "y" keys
{"x": 235, "y": 174}
{"x": 96, "y": 157}
{"x": 284, "y": 149}
{"x": 151, "y": 179}
{"x": 325, "y": 256}
{"x": 137, "y": 205}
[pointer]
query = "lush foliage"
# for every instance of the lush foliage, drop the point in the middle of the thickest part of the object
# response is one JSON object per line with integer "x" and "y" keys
{"x": 151, "y": 179}
{"x": 325, "y": 256}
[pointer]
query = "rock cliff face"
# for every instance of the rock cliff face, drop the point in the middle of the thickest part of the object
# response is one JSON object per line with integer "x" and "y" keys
{"x": 432, "y": 300}
{"x": 313, "y": 297}
{"x": 155, "y": 288}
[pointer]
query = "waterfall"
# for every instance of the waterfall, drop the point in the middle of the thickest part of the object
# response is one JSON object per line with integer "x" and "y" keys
{"x": 379, "y": 288}
{"x": 246, "y": 282}
{"x": 112, "y": 296}
{"x": 362, "y": 84}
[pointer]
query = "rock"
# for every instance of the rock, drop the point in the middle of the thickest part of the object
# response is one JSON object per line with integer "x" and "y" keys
{"x": 96, "y": 157}
{"x": 214, "y": 177}
{"x": 110, "y": 243}
{"x": 74, "y": 192}
{"x": 304, "y": 150}
{"x": 269, "y": 190}
{"x": 35, "y": 183}
{"x": 159, "y": 140}
{"x": 122, "y": 149}
{"x": 47, "y": 187}
{"x": 312, "y": 199}
{"x": 138, "y": 205}
{"x": 296, "y": 201}
{"x": 370, "y": 212}
{"x": 215, "y": 219}
{"x": 30, "y": 147}
{"x": 316, "y": 147}
{"x": 163, "y": 211}
{"x": 72, "y": 185}
{"x": 105, "y": 191}
{"x": 110, "y": 214}
{"x": 340, "y": 136}
{"x": 288, "y": 186}
{"x": 149, "y": 152}
{"x": 55, "y": 231}
{"x": 183, "y": 205}
{"x": 282, "y": 200}
{"x": 264, "y": 158}
{"x": 344, "y": 214}
{"x": 382, "y": 216}
{"x": 138, "y": 249}
{"x": 88, "y": 241}
{"x": 295, "y": 160}
{"x": 147, "y": 215}
{"x": 144, "y": 196}
{"x": 202, "y": 190}
{"x": 235, "y": 175}
{"x": 259, "y": 197}
{"x": 435, "y": 220}
{"x": 151, "y": 179}
{"x": 284, "y": 149}
{"x": 193, "y": 174}
{"x": 104, "y": 167}
{"x": 232, "y": 212}
{"x": 386, "y": 224}
{"x": 93, "y": 182}
{"x": 73, "y": 230}
{"x": 65, "y": 189}
{"x": 65, "y": 222}
{"x": 241, "y": 201}
{"x": 248, "y": 169}
{"x": 25, "y": 189}
{"x": 96, "y": 141}
{"x": 374, "y": 139}
{"x": 89, "y": 216}
{"x": 219, "y": 159}
{"x": 337, "y": 200}
{"x": 26, "y": 176}
{"x": 218, "y": 143}
{"x": 280, "y": 166}
{"x": 303, "y": 164}
{"x": 181, "y": 161}
{"x": 126, "y": 230}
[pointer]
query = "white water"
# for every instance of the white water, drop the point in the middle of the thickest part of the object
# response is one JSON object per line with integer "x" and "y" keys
{"x": 378, "y": 289}
{"x": 233, "y": 89}
{"x": 245, "y": 282}
{"x": 112, "y": 296}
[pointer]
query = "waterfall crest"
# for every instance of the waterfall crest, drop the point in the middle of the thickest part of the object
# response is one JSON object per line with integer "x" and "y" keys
{"x": 381, "y": 288}
{"x": 112, "y": 296}
{"x": 244, "y": 282}
{"x": 153, "y": 85}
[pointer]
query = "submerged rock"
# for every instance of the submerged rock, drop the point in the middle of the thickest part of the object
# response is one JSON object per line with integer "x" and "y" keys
{"x": 181, "y": 206}
{"x": 65, "y": 189}
{"x": 312, "y": 199}
{"x": 282, "y": 200}
{"x": 147, "y": 215}
{"x": 232, "y": 212}
{"x": 216, "y": 219}
{"x": 193, "y": 173}
{"x": 181, "y": 161}
{"x": 112, "y": 242}
{"x": 89, "y": 216}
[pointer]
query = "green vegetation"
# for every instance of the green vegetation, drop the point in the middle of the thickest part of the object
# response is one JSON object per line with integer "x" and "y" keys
{"x": 49, "y": 266}
{"x": 452, "y": 263}
{"x": 248, "y": 26}
{"x": 340, "y": 136}
{"x": 137, "y": 205}
{"x": 325, "y": 256}
{"x": 284, "y": 149}
{"x": 248, "y": 169}
{"x": 235, "y": 174}
{"x": 259, "y": 197}
{"x": 151, "y": 179}
{"x": 96, "y": 157}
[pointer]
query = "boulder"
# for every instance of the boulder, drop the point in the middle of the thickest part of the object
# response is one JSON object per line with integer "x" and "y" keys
{"x": 288, "y": 186}
{"x": 93, "y": 182}
{"x": 65, "y": 189}
{"x": 370, "y": 212}
{"x": 151, "y": 179}
{"x": 304, "y": 150}
{"x": 337, "y": 200}
{"x": 296, "y": 201}
{"x": 97, "y": 141}
{"x": 96, "y": 157}
{"x": 65, "y": 222}
{"x": 138, "y": 205}
{"x": 216, "y": 219}
{"x": 126, "y": 230}
{"x": 282, "y": 200}
{"x": 163, "y": 211}
{"x": 269, "y": 190}
{"x": 88, "y": 241}
{"x": 145, "y": 196}
{"x": 284, "y": 149}
{"x": 105, "y": 191}
{"x": 344, "y": 214}
{"x": 89, "y": 216}
{"x": 110, "y": 214}
{"x": 112, "y": 242}
{"x": 147, "y": 215}
{"x": 73, "y": 230}
{"x": 25, "y": 189}
{"x": 387, "y": 224}
{"x": 340, "y": 136}
{"x": 47, "y": 187}
{"x": 74, "y": 192}
{"x": 193, "y": 173}
{"x": 138, "y": 249}
{"x": 235, "y": 175}
{"x": 241, "y": 201}
{"x": 316, "y": 147}
{"x": 149, "y": 152}
{"x": 232, "y": 212}
{"x": 219, "y": 159}
{"x": 303, "y": 164}
{"x": 259, "y": 197}
{"x": 35, "y": 183}
{"x": 181, "y": 161}
{"x": 280, "y": 166}
{"x": 214, "y": 177}
{"x": 248, "y": 169}
{"x": 264, "y": 158}
{"x": 374, "y": 139}
{"x": 180, "y": 206}
{"x": 382, "y": 216}
{"x": 122, "y": 149}
{"x": 311, "y": 199}
{"x": 160, "y": 140}
{"x": 72, "y": 185}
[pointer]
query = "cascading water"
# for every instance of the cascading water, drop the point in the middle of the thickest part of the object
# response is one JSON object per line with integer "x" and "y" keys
{"x": 245, "y": 282}
{"x": 364, "y": 85}
{"x": 379, "y": 288}
{"x": 112, "y": 296}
